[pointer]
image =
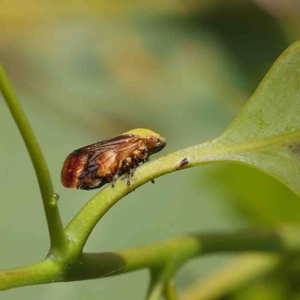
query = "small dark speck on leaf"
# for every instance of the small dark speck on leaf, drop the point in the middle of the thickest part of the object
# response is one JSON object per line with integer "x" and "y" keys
{"x": 294, "y": 147}
{"x": 184, "y": 162}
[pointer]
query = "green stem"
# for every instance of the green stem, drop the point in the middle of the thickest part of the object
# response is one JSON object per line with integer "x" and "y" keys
{"x": 170, "y": 291}
{"x": 55, "y": 226}
{"x": 40, "y": 273}
{"x": 159, "y": 280}
{"x": 172, "y": 253}
{"x": 245, "y": 269}
{"x": 179, "y": 250}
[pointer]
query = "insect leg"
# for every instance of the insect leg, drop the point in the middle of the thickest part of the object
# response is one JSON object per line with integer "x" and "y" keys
{"x": 114, "y": 179}
{"x": 140, "y": 155}
{"x": 131, "y": 171}
{"x": 128, "y": 179}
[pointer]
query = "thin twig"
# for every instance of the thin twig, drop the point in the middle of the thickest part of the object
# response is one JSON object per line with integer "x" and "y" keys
{"x": 54, "y": 222}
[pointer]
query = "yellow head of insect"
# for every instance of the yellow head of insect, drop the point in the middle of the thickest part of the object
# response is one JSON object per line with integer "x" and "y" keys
{"x": 154, "y": 141}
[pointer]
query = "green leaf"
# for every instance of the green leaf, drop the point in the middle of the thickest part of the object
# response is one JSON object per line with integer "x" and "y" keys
{"x": 263, "y": 290}
{"x": 266, "y": 133}
{"x": 258, "y": 197}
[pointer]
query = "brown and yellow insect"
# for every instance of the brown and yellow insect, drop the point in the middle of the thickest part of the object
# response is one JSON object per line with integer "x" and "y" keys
{"x": 95, "y": 165}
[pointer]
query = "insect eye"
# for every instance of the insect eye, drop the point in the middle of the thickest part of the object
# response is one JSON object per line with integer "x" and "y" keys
{"x": 152, "y": 140}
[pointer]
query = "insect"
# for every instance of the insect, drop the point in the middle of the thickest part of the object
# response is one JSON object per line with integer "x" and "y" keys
{"x": 93, "y": 166}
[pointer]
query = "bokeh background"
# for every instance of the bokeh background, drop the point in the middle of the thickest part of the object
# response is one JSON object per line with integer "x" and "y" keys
{"x": 89, "y": 70}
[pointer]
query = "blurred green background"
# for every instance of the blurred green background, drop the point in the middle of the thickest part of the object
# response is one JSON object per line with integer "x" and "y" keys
{"x": 89, "y": 70}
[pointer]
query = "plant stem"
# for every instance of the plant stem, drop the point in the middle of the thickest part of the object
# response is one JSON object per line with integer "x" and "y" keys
{"x": 159, "y": 280}
{"x": 170, "y": 291}
{"x": 245, "y": 269}
{"x": 181, "y": 249}
{"x": 54, "y": 222}
{"x": 172, "y": 253}
{"x": 40, "y": 273}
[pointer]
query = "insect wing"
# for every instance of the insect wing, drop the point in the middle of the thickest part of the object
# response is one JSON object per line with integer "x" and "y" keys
{"x": 83, "y": 162}
{"x": 92, "y": 166}
{"x": 117, "y": 143}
